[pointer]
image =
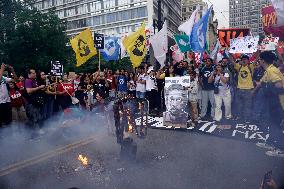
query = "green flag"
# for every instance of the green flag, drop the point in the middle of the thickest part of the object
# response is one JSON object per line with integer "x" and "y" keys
{"x": 183, "y": 42}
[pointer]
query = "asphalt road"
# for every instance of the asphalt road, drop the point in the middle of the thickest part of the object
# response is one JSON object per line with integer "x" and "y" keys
{"x": 165, "y": 159}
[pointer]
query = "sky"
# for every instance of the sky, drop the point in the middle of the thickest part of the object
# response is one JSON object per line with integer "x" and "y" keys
{"x": 221, "y": 8}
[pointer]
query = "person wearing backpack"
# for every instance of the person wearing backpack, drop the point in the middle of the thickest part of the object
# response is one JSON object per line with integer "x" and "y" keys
{"x": 245, "y": 87}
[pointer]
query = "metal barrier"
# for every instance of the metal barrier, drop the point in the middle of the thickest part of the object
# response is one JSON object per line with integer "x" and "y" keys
{"x": 126, "y": 111}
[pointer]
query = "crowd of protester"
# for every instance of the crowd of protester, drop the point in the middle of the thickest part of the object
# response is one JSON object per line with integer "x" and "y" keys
{"x": 250, "y": 91}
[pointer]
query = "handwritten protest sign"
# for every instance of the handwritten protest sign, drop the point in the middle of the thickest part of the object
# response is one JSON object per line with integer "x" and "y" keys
{"x": 248, "y": 44}
{"x": 184, "y": 81}
{"x": 225, "y": 35}
{"x": 269, "y": 44}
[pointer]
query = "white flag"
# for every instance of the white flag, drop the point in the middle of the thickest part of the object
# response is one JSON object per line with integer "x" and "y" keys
{"x": 122, "y": 48}
{"x": 186, "y": 27}
{"x": 215, "y": 50}
{"x": 159, "y": 43}
{"x": 279, "y": 8}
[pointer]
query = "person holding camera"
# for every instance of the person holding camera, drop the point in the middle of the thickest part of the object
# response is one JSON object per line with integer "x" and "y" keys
{"x": 5, "y": 101}
{"x": 221, "y": 92}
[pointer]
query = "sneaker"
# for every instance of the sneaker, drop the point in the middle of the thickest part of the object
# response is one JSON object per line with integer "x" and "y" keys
{"x": 265, "y": 146}
{"x": 275, "y": 153}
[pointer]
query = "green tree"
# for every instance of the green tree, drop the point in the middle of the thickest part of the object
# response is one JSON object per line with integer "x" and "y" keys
{"x": 29, "y": 38}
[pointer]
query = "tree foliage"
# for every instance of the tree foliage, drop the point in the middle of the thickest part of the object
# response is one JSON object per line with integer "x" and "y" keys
{"x": 29, "y": 38}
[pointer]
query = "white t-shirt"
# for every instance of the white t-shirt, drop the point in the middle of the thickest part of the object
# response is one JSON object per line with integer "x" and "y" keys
{"x": 150, "y": 83}
{"x": 4, "y": 94}
{"x": 132, "y": 85}
{"x": 223, "y": 87}
{"x": 139, "y": 86}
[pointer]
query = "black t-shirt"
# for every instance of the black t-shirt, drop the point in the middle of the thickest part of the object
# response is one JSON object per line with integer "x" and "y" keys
{"x": 80, "y": 93}
{"x": 99, "y": 86}
{"x": 205, "y": 73}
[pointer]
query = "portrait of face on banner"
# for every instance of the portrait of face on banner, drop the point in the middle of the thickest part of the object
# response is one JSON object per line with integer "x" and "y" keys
{"x": 176, "y": 98}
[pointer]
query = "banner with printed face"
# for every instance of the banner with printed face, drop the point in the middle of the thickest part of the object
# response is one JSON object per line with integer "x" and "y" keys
{"x": 225, "y": 35}
{"x": 176, "y": 99}
{"x": 246, "y": 44}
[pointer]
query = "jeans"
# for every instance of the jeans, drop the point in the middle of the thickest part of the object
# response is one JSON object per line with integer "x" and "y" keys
{"x": 244, "y": 103}
{"x": 5, "y": 113}
{"x": 193, "y": 110}
{"x": 207, "y": 96}
{"x": 219, "y": 99}
{"x": 33, "y": 114}
{"x": 50, "y": 107}
{"x": 140, "y": 94}
{"x": 152, "y": 97}
{"x": 259, "y": 106}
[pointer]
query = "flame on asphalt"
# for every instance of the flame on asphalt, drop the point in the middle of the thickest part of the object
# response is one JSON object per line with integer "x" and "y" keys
{"x": 83, "y": 160}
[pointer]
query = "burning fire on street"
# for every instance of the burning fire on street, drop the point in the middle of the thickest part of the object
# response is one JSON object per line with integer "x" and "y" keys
{"x": 83, "y": 160}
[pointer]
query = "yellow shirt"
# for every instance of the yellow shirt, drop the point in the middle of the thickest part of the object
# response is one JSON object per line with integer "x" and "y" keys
{"x": 245, "y": 76}
{"x": 273, "y": 74}
{"x": 163, "y": 75}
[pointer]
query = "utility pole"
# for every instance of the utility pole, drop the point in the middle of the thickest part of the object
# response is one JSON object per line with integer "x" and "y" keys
{"x": 159, "y": 15}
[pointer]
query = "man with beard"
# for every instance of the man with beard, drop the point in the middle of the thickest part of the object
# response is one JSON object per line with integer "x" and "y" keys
{"x": 176, "y": 104}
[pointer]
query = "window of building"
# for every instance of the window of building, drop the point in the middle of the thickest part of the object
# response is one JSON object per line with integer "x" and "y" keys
{"x": 183, "y": 9}
{"x": 82, "y": 9}
{"x": 142, "y": 12}
{"x": 95, "y": 6}
{"x": 111, "y": 17}
{"x": 109, "y": 3}
{"x": 58, "y": 2}
{"x": 70, "y": 11}
{"x": 123, "y": 2}
{"x": 47, "y": 4}
{"x": 60, "y": 14}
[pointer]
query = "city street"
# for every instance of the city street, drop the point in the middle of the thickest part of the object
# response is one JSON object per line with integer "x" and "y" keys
{"x": 165, "y": 159}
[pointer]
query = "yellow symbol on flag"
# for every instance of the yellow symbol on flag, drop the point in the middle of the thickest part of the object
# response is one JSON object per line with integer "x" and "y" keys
{"x": 83, "y": 46}
{"x": 135, "y": 45}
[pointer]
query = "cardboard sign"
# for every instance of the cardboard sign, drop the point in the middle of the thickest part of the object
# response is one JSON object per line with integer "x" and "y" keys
{"x": 269, "y": 44}
{"x": 99, "y": 41}
{"x": 246, "y": 44}
{"x": 56, "y": 68}
{"x": 225, "y": 35}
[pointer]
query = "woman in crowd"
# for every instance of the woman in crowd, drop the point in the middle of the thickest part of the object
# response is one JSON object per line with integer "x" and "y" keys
{"x": 221, "y": 93}
{"x": 131, "y": 84}
{"x": 17, "y": 103}
{"x": 193, "y": 98}
{"x": 65, "y": 92}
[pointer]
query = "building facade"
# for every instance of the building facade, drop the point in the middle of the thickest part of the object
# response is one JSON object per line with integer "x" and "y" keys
{"x": 188, "y": 6}
{"x": 247, "y": 14}
{"x": 111, "y": 17}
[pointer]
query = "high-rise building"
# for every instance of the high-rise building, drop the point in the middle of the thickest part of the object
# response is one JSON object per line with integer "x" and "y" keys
{"x": 188, "y": 6}
{"x": 111, "y": 17}
{"x": 247, "y": 14}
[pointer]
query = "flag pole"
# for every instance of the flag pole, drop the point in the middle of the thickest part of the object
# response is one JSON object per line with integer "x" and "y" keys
{"x": 99, "y": 60}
